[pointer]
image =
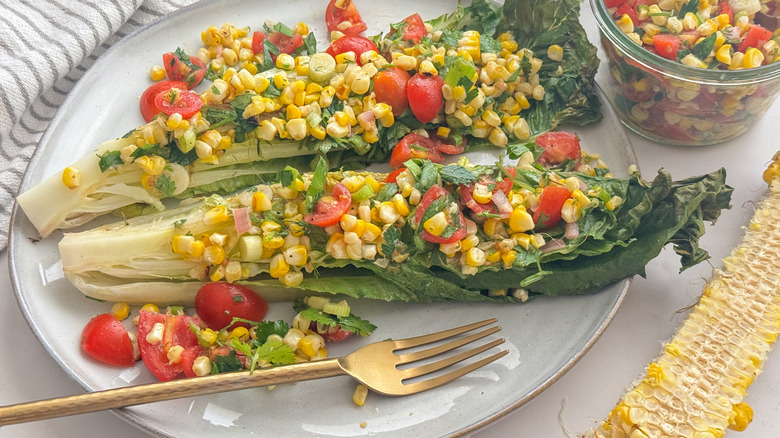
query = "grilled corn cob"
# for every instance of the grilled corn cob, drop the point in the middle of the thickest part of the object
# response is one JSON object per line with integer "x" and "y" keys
{"x": 695, "y": 388}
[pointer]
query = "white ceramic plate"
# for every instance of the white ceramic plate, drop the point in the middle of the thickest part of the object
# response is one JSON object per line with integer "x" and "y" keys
{"x": 545, "y": 337}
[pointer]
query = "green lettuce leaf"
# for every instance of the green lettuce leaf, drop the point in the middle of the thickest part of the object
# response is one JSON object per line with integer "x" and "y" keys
{"x": 570, "y": 96}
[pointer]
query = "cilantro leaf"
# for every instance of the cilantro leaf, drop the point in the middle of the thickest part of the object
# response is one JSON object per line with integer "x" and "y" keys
{"x": 457, "y": 174}
{"x": 165, "y": 185}
{"x": 264, "y": 329}
{"x": 276, "y": 353}
{"x": 224, "y": 364}
{"x": 109, "y": 159}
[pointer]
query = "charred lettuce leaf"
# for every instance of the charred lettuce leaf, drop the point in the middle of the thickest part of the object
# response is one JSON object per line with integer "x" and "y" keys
{"x": 570, "y": 97}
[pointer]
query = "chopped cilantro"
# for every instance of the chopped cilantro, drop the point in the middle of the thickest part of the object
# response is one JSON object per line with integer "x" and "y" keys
{"x": 457, "y": 174}
{"x": 109, "y": 159}
{"x": 165, "y": 185}
{"x": 264, "y": 329}
{"x": 223, "y": 364}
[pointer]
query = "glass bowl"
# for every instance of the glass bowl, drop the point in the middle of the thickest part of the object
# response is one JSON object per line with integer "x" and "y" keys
{"x": 672, "y": 103}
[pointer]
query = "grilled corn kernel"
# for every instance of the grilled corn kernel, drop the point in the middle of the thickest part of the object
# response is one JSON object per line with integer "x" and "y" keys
{"x": 216, "y": 215}
{"x": 71, "y": 177}
{"x": 360, "y": 395}
{"x": 279, "y": 266}
{"x": 120, "y": 310}
{"x": 436, "y": 224}
{"x": 520, "y": 220}
{"x": 475, "y": 257}
{"x": 555, "y": 53}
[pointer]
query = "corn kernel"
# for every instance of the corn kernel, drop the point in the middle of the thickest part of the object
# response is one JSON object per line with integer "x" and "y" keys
{"x": 71, "y": 177}
{"x": 120, "y": 310}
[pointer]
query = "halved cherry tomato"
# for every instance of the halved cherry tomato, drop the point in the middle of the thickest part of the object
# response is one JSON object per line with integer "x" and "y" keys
{"x": 424, "y": 95}
{"x": 756, "y": 36}
{"x": 176, "y": 332}
{"x": 417, "y": 146}
{"x": 414, "y": 146}
{"x": 550, "y": 204}
{"x": 412, "y": 29}
{"x": 667, "y": 45}
{"x": 558, "y": 147}
{"x": 351, "y": 43}
{"x": 105, "y": 339}
{"x": 185, "y": 102}
{"x": 390, "y": 88}
{"x": 148, "y": 108}
{"x": 218, "y": 303}
{"x": 285, "y": 43}
{"x": 392, "y": 176}
{"x": 436, "y": 192}
{"x": 258, "y": 44}
{"x": 346, "y": 13}
{"x": 190, "y": 70}
{"x": 329, "y": 209}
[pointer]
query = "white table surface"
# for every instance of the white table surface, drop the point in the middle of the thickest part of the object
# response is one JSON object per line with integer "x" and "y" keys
{"x": 652, "y": 310}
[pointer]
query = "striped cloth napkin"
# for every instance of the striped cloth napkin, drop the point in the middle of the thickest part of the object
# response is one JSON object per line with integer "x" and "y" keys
{"x": 45, "y": 47}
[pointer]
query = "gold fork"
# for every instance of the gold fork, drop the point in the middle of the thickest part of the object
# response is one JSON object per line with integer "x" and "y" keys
{"x": 375, "y": 365}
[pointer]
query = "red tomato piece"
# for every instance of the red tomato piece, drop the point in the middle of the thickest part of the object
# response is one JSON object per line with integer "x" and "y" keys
{"x": 435, "y": 192}
{"x": 190, "y": 69}
{"x": 148, "y": 108}
{"x": 177, "y": 332}
{"x": 550, "y": 204}
{"x": 185, "y": 102}
{"x": 613, "y": 3}
{"x": 424, "y": 95}
{"x": 412, "y": 28}
{"x": 667, "y": 45}
{"x": 447, "y": 148}
{"x": 558, "y": 147}
{"x": 258, "y": 44}
{"x": 329, "y": 209}
{"x": 467, "y": 193}
{"x": 351, "y": 43}
{"x": 285, "y": 43}
{"x": 629, "y": 10}
{"x": 105, "y": 339}
{"x": 390, "y": 88}
{"x": 330, "y": 333}
{"x": 414, "y": 146}
{"x": 345, "y": 18}
{"x": 756, "y": 36}
{"x": 218, "y": 303}
{"x": 392, "y": 176}
{"x": 188, "y": 357}
{"x": 725, "y": 8}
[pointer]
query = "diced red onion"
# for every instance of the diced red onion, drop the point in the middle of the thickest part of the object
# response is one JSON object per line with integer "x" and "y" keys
{"x": 241, "y": 220}
{"x": 572, "y": 231}
{"x": 552, "y": 245}
{"x": 502, "y": 203}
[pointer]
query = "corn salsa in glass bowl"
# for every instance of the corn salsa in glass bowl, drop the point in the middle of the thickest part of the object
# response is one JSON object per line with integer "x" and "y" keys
{"x": 689, "y": 72}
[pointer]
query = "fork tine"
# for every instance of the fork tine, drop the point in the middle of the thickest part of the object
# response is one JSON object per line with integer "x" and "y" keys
{"x": 433, "y": 337}
{"x": 451, "y": 360}
{"x": 425, "y": 385}
{"x": 433, "y": 351}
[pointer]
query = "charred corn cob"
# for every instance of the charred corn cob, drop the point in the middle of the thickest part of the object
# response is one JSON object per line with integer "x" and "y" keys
{"x": 695, "y": 388}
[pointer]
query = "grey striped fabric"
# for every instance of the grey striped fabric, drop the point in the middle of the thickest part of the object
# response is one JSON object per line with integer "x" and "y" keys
{"x": 45, "y": 47}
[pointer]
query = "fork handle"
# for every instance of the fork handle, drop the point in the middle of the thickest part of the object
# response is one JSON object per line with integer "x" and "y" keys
{"x": 140, "y": 394}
